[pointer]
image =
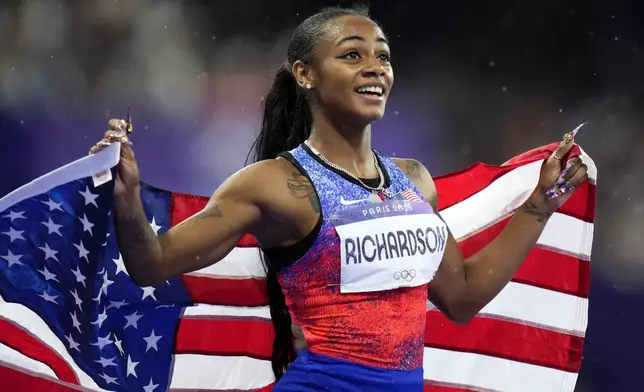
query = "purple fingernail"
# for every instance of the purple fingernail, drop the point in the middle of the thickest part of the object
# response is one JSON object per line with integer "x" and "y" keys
{"x": 552, "y": 192}
{"x": 561, "y": 180}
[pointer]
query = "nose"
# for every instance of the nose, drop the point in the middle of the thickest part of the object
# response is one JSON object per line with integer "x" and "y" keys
{"x": 373, "y": 68}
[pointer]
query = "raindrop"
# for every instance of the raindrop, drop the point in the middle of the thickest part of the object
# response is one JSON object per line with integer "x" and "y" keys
{"x": 492, "y": 64}
{"x": 396, "y": 112}
{"x": 504, "y": 89}
{"x": 560, "y": 110}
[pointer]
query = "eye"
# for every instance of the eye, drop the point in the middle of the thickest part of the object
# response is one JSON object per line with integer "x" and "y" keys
{"x": 384, "y": 57}
{"x": 352, "y": 55}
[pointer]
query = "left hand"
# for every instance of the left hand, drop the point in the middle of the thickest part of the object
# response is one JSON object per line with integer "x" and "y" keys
{"x": 556, "y": 184}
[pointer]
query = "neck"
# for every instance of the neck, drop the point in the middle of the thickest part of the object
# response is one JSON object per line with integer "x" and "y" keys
{"x": 346, "y": 146}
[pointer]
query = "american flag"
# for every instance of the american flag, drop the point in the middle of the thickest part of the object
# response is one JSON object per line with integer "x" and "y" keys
{"x": 71, "y": 318}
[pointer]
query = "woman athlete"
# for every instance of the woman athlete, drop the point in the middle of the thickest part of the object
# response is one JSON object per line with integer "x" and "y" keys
{"x": 351, "y": 238}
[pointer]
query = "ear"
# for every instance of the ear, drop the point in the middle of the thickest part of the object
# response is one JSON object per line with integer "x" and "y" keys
{"x": 304, "y": 74}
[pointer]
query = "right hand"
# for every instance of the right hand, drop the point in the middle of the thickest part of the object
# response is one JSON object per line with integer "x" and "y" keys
{"x": 127, "y": 178}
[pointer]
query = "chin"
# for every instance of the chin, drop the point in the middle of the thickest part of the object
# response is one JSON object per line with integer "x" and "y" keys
{"x": 372, "y": 115}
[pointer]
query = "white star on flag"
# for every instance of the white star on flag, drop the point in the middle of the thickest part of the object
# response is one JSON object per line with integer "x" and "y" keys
{"x": 131, "y": 367}
{"x": 154, "y": 226}
{"x": 80, "y": 278}
{"x": 52, "y": 227}
{"x": 102, "y": 342}
{"x": 90, "y": 198}
{"x": 49, "y": 252}
{"x": 87, "y": 225}
{"x": 82, "y": 252}
{"x": 148, "y": 292}
{"x": 72, "y": 343}
{"x": 105, "y": 362}
{"x": 132, "y": 320}
{"x": 150, "y": 387}
{"x": 12, "y": 259}
{"x": 48, "y": 298}
{"x": 151, "y": 342}
{"x": 47, "y": 274}
{"x": 15, "y": 215}
{"x": 120, "y": 265}
{"x": 75, "y": 322}
{"x": 14, "y": 234}
{"x": 109, "y": 380}
{"x": 53, "y": 205}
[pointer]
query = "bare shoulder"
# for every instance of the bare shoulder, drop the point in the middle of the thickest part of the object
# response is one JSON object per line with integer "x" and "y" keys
{"x": 271, "y": 180}
{"x": 420, "y": 176}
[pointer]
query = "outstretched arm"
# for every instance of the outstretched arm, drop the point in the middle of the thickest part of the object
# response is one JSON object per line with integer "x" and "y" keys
{"x": 462, "y": 287}
{"x": 199, "y": 241}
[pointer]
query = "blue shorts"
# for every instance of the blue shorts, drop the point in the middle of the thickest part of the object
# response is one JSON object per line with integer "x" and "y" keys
{"x": 313, "y": 372}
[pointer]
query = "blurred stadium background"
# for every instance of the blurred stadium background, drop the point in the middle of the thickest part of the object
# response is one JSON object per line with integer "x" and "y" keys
{"x": 475, "y": 81}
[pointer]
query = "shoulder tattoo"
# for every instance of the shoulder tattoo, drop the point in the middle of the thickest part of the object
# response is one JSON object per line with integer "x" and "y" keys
{"x": 301, "y": 188}
{"x": 413, "y": 170}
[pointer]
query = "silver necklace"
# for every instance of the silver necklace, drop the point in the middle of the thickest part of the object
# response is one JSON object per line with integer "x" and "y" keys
{"x": 374, "y": 190}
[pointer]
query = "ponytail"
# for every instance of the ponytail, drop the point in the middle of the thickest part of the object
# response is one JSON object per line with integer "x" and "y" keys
{"x": 286, "y": 124}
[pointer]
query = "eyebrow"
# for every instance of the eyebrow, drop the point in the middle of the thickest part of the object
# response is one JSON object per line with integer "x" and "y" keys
{"x": 359, "y": 38}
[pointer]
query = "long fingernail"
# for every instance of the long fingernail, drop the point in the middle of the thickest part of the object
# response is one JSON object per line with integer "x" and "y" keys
{"x": 562, "y": 176}
{"x": 570, "y": 136}
{"x": 556, "y": 191}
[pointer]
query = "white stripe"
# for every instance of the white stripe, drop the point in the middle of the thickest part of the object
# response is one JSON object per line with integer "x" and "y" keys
{"x": 569, "y": 235}
{"x": 193, "y": 371}
{"x": 592, "y": 168}
{"x": 489, "y": 373}
{"x": 27, "y": 319}
{"x": 498, "y": 200}
{"x": 18, "y": 360}
{"x": 239, "y": 263}
{"x": 205, "y": 311}
{"x": 81, "y": 168}
{"x": 546, "y": 308}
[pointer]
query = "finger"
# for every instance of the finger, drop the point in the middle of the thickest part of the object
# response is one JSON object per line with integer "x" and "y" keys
{"x": 562, "y": 150}
{"x": 117, "y": 125}
{"x": 569, "y": 170}
{"x": 577, "y": 179}
{"x": 580, "y": 176}
{"x": 100, "y": 146}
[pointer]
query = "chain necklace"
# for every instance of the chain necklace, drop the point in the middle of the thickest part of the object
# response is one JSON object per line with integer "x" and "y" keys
{"x": 374, "y": 190}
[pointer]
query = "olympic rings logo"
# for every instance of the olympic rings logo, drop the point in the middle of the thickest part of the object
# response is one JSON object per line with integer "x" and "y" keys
{"x": 404, "y": 275}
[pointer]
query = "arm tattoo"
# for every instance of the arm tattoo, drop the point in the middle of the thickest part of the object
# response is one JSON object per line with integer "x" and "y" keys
{"x": 301, "y": 188}
{"x": 135, "y": 233}
{"x": 211, "y": 210}
{"x": 412, "y": 170}
{"x": 531, "y": 209}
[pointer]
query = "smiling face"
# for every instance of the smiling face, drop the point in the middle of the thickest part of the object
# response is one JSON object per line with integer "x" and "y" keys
{"x": 351, "y": 72}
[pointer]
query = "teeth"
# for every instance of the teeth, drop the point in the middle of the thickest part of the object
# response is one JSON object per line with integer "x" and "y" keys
{"x": 371, "y": 89}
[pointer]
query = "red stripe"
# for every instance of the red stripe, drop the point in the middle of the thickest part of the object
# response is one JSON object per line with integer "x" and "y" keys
{"x": 16, "y": 380}
{"x": 221, "y": 291}
{"x": 22, "y": 341}
{"x": 498, "y": 338}
{"x": 444, "y": 388}
{"x": 506, "y": 339}
{"x": 226, "y": 337}
{"x": 572, "y": 274}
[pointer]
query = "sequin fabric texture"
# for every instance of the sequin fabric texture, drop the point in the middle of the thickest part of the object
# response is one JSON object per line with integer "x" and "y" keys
{"x": 380, "y": 329}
